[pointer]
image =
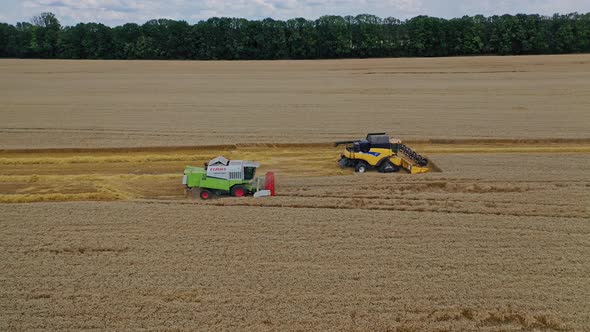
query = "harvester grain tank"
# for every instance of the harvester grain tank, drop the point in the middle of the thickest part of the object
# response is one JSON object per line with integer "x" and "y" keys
{"x": 380, "y": 152}
{"x": 222, "y": 177}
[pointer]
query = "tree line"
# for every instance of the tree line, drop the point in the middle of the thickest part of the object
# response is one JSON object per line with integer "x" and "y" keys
{"x": 362, "y": 36}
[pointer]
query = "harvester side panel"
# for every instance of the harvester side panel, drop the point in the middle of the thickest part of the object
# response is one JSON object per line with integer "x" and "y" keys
{"x": 373, "y": 157}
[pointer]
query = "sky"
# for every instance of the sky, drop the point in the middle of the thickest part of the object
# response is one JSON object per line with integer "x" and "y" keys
{"x": 116, "y": 12}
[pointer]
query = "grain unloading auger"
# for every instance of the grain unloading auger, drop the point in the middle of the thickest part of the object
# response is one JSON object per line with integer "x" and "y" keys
{"x": 382, "y": 153}
{"x": 223, "y": 177}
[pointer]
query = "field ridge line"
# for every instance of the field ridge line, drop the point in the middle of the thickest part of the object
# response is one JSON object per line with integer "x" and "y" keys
{"x": 434, "y": 141}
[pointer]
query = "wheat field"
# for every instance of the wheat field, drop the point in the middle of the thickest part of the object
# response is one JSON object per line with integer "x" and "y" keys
{"x": 96, "y": 233}
{"x": 97, "y": 104}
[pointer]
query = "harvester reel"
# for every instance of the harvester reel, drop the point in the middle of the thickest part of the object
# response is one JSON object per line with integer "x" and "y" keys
{"x": 418, "y": 159}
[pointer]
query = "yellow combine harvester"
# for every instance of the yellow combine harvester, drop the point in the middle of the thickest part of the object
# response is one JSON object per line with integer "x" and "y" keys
{"x": 382, "y": 153}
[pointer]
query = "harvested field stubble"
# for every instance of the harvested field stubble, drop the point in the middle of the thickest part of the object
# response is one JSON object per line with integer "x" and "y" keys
{"x": 496, "y": 242}
{"x": 167, "y": 266}
{"x": 97, "y": 234}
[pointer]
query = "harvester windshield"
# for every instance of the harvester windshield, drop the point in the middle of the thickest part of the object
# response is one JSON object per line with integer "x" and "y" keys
{"x": 249, "y": 173}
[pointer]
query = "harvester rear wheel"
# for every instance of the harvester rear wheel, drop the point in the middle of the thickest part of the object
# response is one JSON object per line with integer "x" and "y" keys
{"x": 343, "y": 162}
{"x": 205, "y": 194}
{"x": 361, "y": 167}
{"x": 238, "y": 191}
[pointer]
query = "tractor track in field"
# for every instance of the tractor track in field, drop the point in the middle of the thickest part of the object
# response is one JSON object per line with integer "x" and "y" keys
{"x": 502, "y": 145}
{"x": 405, "y": 198}
{"x": 393, "y": 207}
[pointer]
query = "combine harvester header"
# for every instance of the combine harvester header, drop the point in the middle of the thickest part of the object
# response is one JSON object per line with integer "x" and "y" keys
{"x": 380, "y": 152}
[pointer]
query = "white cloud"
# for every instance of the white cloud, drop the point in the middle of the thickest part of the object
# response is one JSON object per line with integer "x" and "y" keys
{"x": 119, "y": 11}
{"x": 86, "y": 10}
{"x": 114, "y": 12}
{"x": 498, "y": 7}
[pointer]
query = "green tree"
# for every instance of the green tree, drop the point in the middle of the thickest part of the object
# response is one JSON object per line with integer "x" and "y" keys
{"x": 327, "y": 37}
{"x": 7, "y": 39}
{"x": 334, "y": 37}
{"x": 46, "y": 29}
{"x": 124, "y": 41}
{"x": 395, "y": 37}
{"x": 301, "y": 38}
{"x": 367, "y": 36}
{"x": 583, "y": 29}
{"x": 426, "y": 37}
{"x": 24, "y": 40}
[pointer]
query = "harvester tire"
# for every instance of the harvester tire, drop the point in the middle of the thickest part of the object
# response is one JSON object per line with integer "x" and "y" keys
{"x": 361, "y": 167}
{"x": 205, "y": 194}
{"x": 388, "y": 167}
{"x": 343, "y": 162}
{"x": 238, "y": 191}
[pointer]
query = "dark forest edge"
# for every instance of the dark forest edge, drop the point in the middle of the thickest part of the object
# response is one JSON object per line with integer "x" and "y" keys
{"x": 329, "y": 37}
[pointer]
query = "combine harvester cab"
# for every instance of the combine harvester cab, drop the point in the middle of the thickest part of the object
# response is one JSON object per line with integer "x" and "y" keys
{"x": 380, "y": 152}
{"x": 223, "y": 177}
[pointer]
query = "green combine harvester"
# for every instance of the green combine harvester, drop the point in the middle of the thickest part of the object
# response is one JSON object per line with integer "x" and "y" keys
{"x": 223, "y": 177}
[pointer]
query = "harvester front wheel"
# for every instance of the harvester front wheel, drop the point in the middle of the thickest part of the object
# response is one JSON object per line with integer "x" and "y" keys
{"x": 205, "y": 194}
{"x": 361, "y": 167}
{"x": 238, "y": 191}
{"x": 388, "y": 167}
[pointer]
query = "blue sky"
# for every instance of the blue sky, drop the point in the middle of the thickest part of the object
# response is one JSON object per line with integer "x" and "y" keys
{"x": 114, "y": 12}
